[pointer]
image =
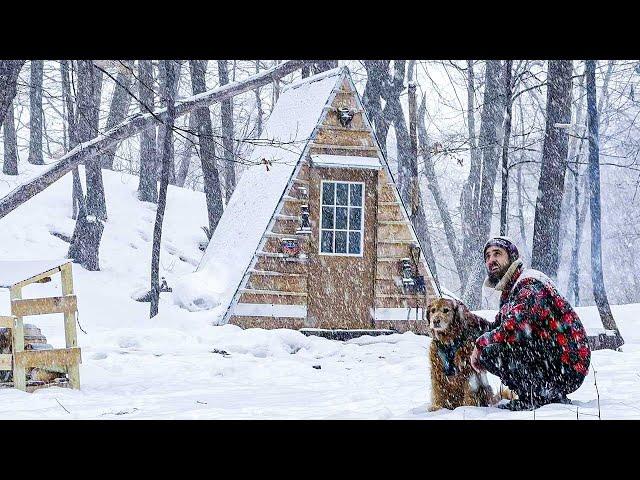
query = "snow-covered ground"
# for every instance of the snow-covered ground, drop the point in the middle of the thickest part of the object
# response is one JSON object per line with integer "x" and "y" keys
{"x": 180, "y": 366}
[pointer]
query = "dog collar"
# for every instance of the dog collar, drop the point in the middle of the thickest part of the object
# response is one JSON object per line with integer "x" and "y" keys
{"x": 447, "y": 353}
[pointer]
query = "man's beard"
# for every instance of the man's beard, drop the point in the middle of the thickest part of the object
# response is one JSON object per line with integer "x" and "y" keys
{"x": 496, "y": 276}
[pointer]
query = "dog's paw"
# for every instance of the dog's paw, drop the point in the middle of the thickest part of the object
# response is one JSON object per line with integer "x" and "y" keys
{"x": 433, "y": 408}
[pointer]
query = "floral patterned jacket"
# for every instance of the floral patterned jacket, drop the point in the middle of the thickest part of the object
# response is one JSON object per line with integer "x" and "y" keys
{"x": 533, "y": 311}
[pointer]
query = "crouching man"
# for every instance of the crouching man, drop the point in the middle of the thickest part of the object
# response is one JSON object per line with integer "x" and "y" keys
{"x": 539, "y": 347}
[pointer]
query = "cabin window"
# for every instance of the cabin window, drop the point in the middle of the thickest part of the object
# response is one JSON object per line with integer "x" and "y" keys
{"x": 341, "y": 218}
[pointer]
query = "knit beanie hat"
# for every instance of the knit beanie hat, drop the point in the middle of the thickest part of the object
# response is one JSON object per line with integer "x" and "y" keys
{"x": 503, "y": 242}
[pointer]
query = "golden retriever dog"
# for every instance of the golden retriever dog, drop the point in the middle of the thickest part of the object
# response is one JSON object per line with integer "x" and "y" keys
{"x": 454, "y": 382}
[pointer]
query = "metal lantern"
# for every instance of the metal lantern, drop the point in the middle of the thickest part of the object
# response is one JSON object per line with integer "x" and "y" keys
{"x": 345, "y": 116}
{"x": 305, "y": 225}
{"x": 407, "y": 272}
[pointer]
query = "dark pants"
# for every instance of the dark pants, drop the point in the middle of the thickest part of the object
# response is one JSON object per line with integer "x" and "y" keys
{"x": 535, "y": 374}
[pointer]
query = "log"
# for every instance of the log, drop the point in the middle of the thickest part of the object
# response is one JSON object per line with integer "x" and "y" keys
{"x": 134, "y": 125}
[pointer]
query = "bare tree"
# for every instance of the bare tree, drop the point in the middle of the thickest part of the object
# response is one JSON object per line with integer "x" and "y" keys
{"x": 9, "y": 71}
{"x": 481, "y": 213}
{"x": 10, "y": 165}
{"x": 85, "y": 242}
{"x": 226, "y": 113}
{"x": 168, "y": 98}
{"x": 504, "y": 203}
{"x": 211, "y": 178}
{"x": 148, "y": 184}
{"x": 35, "y": 113}
{"x": 599, "y": 291}
{"x": 119, "y": 106}
{"x": 546, "y": 228}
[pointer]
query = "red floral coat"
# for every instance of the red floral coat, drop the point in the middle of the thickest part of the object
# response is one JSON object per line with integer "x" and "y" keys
{"x": 534, "y": 310}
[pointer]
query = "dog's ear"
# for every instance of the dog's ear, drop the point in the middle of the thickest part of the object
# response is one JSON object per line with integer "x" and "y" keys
{"x": 428, "y": 330}
{"x": 460, "y": 310}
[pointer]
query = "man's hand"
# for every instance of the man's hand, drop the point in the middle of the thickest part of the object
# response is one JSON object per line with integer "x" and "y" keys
{"x": 475, "y": 360}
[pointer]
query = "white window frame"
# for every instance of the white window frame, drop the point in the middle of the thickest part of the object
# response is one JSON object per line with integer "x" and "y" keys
{"x": 320, "y": 229}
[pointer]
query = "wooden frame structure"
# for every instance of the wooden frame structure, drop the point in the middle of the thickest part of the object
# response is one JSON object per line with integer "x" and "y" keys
{"x": 64, "y": 359}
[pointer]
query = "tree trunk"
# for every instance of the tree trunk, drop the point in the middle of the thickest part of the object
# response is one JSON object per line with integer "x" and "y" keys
{"x": 504, "y": 203}
{"x": 185, "y": 158}
{"x": 226, "y": 112}
{"x": 471, "y": 188}
{"x": 415, "y": 204}
{"x": 162, "y": 128}
{"x": 434, "y": 187}
{"x": 259, "y": 112}
{"x": 10, "y": 166}
{"x": 168, "y": 95}
{"x": 133, "y": 126}
{"x": 211, "y": 178}
{"x": 320, "y": 66}
{"x": 85, "y": 242}
{"x": 546, "y": 227}
{"x": 597, "y": 277}
{"x": 377, "y": 73}
{"x": 148, "y": 183}
{"x": 35, "y": 113}
{"x": 9, "y": 71}
{"x": 119, "y": 107}
{"x": 490, "y": 147}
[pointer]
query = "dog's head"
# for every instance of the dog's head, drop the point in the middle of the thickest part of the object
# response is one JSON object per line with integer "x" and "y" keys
{"x": 445, "y": 317}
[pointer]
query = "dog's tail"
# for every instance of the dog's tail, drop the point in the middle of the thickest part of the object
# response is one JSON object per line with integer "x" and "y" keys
{"x": 505, "y": 394}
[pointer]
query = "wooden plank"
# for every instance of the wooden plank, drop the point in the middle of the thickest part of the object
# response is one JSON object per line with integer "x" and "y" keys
{"x": 70, "y": 333}
{"x": 276, "y": 274}
{"x": 280, "y": 216}
{"x": 6, "y": 322}
{"x": 289, "y": 198}
{"x": 38, "y": 277}
{"x": 394, "y": 222}
{"x": 356, "y": 148}
{"x": 285, "y": 235}
{"x": 6, "y": 361}
{"x": 43, "y": 306}
{"x": 253, "y": 291}
{"x": 19, "y": 372}
{"x": 61, "y": 357}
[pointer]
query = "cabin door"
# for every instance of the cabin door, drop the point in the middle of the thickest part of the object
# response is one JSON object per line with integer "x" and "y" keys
{"x": 340, "y": 288}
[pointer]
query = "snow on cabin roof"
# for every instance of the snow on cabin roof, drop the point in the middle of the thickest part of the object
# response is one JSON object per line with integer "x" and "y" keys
{"x": 345, "y": 161}
{"x": 14, "y": 271}
{"x": 257, "y": 194}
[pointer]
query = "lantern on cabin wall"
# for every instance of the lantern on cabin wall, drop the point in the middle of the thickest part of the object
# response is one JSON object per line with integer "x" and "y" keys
{"x": 305, "y": 225}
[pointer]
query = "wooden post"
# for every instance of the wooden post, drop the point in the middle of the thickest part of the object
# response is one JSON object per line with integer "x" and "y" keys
{"x": 19, "y": 372}
{"x": 70, "y": 333}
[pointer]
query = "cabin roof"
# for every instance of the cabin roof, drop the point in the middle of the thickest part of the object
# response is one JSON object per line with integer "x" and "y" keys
{"x": 259, "y": 190}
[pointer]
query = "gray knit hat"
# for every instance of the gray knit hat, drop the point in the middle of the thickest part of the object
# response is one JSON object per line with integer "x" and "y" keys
{"x": 503, "y": 242}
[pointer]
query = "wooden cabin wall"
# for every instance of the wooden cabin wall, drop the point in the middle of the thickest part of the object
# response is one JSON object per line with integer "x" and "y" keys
{"x": 341, "y": 287}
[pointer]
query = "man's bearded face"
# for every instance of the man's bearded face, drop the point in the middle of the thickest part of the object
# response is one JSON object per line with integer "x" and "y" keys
{"x": 497, "y": 262}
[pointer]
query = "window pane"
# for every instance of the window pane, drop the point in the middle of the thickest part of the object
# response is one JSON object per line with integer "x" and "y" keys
{"x": 341, "y": 193}
{"x": 327, "y": 193}
{"x": 355, "y": 218}
{"x": 341, "y": 242}
{"x": 327, "y": 242}
{"x": 341, "y": 217}
{"x": 327, "y": 217}
{"x": 356, "y": 194}
{"x": 354, "y": 242}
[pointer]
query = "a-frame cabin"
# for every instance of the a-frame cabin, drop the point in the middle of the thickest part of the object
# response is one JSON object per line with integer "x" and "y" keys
{"x": 315, "y": 234}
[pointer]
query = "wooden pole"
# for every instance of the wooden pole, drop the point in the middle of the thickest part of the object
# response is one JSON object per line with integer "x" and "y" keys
{"x": 70, "y": 333}
{"x": 19, "y": 372}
